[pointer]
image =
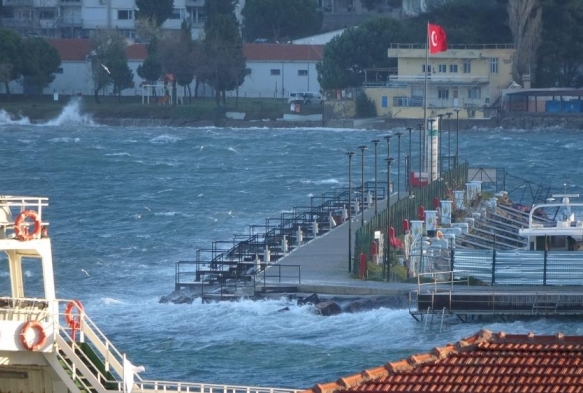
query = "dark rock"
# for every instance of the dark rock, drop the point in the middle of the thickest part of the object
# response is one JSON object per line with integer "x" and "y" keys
{"x": 328, "y": 308}
{"x": 312, "y": 299}
{"x": 183, "y": 300}
{"x": 283, "y": 309}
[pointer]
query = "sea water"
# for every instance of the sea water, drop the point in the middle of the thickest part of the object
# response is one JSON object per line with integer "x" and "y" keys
{"x": 127, "y": 203}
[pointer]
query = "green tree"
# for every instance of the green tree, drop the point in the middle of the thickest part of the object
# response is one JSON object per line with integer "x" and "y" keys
{"x": 10, "y": 57}
{"x": 281, "y": 20}
{"x": 560, "y": 56}
{"x": 347, "y": 56}
{"x": 155, "y": 10}
{"x": 151, "y": 69}
{"x": 109, "y": 62}
{"x": 40, "y": 62}
{"x": 223, "y": 64}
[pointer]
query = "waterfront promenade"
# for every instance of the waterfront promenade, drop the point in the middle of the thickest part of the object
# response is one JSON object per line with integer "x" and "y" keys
{"x": 324, "y": 263}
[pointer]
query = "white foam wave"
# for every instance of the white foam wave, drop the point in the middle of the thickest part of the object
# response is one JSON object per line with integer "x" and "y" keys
{"x": 163, "y": 139}
{"x": 6, "y": 118}
{"x": 109, "y": 300}
{"x": 65, "y": 140}
{"x": 321, "y": 182}
{"x": 118, "y": 154}
{"x": 71, "y": 115}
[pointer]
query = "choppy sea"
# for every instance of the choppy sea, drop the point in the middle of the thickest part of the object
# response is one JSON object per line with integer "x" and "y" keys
{"x": 126, "y": 203}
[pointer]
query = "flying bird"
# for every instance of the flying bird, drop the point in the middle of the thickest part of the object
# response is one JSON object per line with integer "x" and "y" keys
{"x": 85, "y": 271}
{"x": 105, "y": 68}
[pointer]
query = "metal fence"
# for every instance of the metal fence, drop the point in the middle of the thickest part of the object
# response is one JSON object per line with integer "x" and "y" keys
{"x": 406, "y": 208}
{"x": 520, "y": 267}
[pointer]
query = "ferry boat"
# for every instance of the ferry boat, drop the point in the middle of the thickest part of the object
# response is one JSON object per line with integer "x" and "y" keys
{"x": 50, "y": 345}
{"x": 554, "y": 226}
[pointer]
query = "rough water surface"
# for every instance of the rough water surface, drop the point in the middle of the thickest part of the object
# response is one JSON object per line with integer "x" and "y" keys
{"x": 126, "y": 203}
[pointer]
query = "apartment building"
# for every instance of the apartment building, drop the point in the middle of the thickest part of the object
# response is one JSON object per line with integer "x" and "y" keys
{"x": 468, "y": 78}
{"x": 77, "y": 18}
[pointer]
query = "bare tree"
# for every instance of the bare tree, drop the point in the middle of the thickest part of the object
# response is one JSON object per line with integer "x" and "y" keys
{"x": 525, "y": 22}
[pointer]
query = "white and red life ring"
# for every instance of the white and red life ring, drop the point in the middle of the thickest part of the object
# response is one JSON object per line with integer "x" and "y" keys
{"x": 39, "y": 341}
{"x": 21, "y": 226}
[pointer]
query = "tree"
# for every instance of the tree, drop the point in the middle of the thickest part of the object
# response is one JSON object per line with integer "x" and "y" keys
{"x": 151, "y": 69}
{"x": 223, "y": 65}
{"x": 560, "y": 56}
{"x": 155, "y": 10}
{"x": 280, "y": 20}
{"x": 109, "y": 62}
{"x": 525, "y": 21}
{"x": 347, "y": 56}
{"x": 40, "y": 62}
{"x": 10, "y": 57}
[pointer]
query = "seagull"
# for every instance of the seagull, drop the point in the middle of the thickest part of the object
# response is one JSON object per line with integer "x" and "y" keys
{"x": 85, "y": 271}
{"x": 147, "y": 208}
{"x": 105, "y": 68}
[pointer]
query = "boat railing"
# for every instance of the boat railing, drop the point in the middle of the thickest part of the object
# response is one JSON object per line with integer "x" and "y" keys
{"x": 441, "y": 281}
{"x": 168, "y": 386}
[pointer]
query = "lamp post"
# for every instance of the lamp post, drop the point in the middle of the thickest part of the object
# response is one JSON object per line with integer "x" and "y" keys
{"x": 350, "y": 154}
{"x": 362, "y": 149}
{"x": 388, "y": 253}
{"x": 448, "y": 114}
{"x": 457, "y": 135}
{"x": 388, "y": 138}
{"x": 399, "y": 134}
{"x": 376, "y": 142}
{"x": 439, "y": 156}
{"x": 430, "y": 179}
{"x": 409, "y": 158}
{"x": 420, "y": 126}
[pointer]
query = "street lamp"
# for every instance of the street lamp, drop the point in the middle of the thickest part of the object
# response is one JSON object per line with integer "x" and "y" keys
{"x": 430, "y": 180}
{"x": 420, "y": 126}
{"x": 448, "y": 114}
{"x": 388, "y": 253}
{"x": 362, "y": 149}
{"x": 350, "y": 154}
{"x": 388, "y": 138}
{"x": 457, "y": 135}
{"x": 409, "y": 158}
{"x": 399, "y": 134}
{"x": 439, "y": 156}
{"x": 376, "y": 142}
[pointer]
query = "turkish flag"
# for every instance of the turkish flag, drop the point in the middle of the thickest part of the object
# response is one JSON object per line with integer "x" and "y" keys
{"x": 437, "y": 39}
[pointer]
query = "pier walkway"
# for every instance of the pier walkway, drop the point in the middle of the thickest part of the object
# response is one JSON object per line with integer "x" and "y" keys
{"x": 324, "y": 264}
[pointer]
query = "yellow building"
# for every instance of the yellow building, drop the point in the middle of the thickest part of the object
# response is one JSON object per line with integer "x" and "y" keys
{"x": 469, "y": 78}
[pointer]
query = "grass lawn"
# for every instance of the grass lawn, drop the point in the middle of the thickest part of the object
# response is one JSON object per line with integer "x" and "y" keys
{"x": 44, "y": 107}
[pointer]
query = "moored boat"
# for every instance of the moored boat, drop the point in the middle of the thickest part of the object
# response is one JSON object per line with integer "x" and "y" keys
{"x": 50, "y": 345}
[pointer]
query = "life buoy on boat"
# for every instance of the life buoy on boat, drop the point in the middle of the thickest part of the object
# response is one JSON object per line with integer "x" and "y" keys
{"x": 40, "y": 340}
{"x": 73, "y": 322}
{"x": 21, "y": 227}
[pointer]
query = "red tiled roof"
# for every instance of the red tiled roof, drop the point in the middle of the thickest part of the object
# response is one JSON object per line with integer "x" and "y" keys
{"x": 282, "y": 52}
{"x": 482, "y": 363}
{"x": 77, "y": 50}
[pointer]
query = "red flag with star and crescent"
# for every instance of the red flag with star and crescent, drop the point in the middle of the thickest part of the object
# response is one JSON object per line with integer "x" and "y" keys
{"x": 437, "y": 38}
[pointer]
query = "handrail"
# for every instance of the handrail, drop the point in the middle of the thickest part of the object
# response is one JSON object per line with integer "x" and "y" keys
{"x": 437, "y": 282}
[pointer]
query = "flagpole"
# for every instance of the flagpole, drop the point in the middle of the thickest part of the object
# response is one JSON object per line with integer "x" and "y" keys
{"x": 426, "y": 97}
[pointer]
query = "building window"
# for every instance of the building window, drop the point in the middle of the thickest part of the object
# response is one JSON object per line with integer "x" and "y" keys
{"x": 475, "y": 93}
{"x": 176, "y": 15}
{"x": 302, "y": 72}
{"x": 125, "y": 14}
{"x": 275, "y": 71}
{"x": 443, "y": 94}
{"x": 442, "y": 68}
{"x": 494, "y": 65}
{"x": 453, "y": 68}
{"x": 46, "y": 14}
{"x": 467, "y": 66}
{"x": 428, "y": 69}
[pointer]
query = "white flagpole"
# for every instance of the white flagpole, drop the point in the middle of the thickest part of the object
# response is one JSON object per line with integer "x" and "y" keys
{"x": 425, "y": 99}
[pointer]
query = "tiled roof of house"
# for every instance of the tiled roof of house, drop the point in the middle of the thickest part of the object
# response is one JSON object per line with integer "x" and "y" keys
{"x": 77, "y": 50}
{"x": 483, "y": 363}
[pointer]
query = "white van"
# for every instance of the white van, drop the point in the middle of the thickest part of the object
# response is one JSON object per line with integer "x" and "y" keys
{"x": 305, "y": 97}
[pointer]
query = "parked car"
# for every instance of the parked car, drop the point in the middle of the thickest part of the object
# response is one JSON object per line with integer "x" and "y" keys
{"x": 305, "y": 97}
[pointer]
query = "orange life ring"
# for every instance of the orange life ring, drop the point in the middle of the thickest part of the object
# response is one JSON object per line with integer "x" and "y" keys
{"x": 40, "y": 341}
{"x": 21, "y": 228}
{"x": 71, "y": 321}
